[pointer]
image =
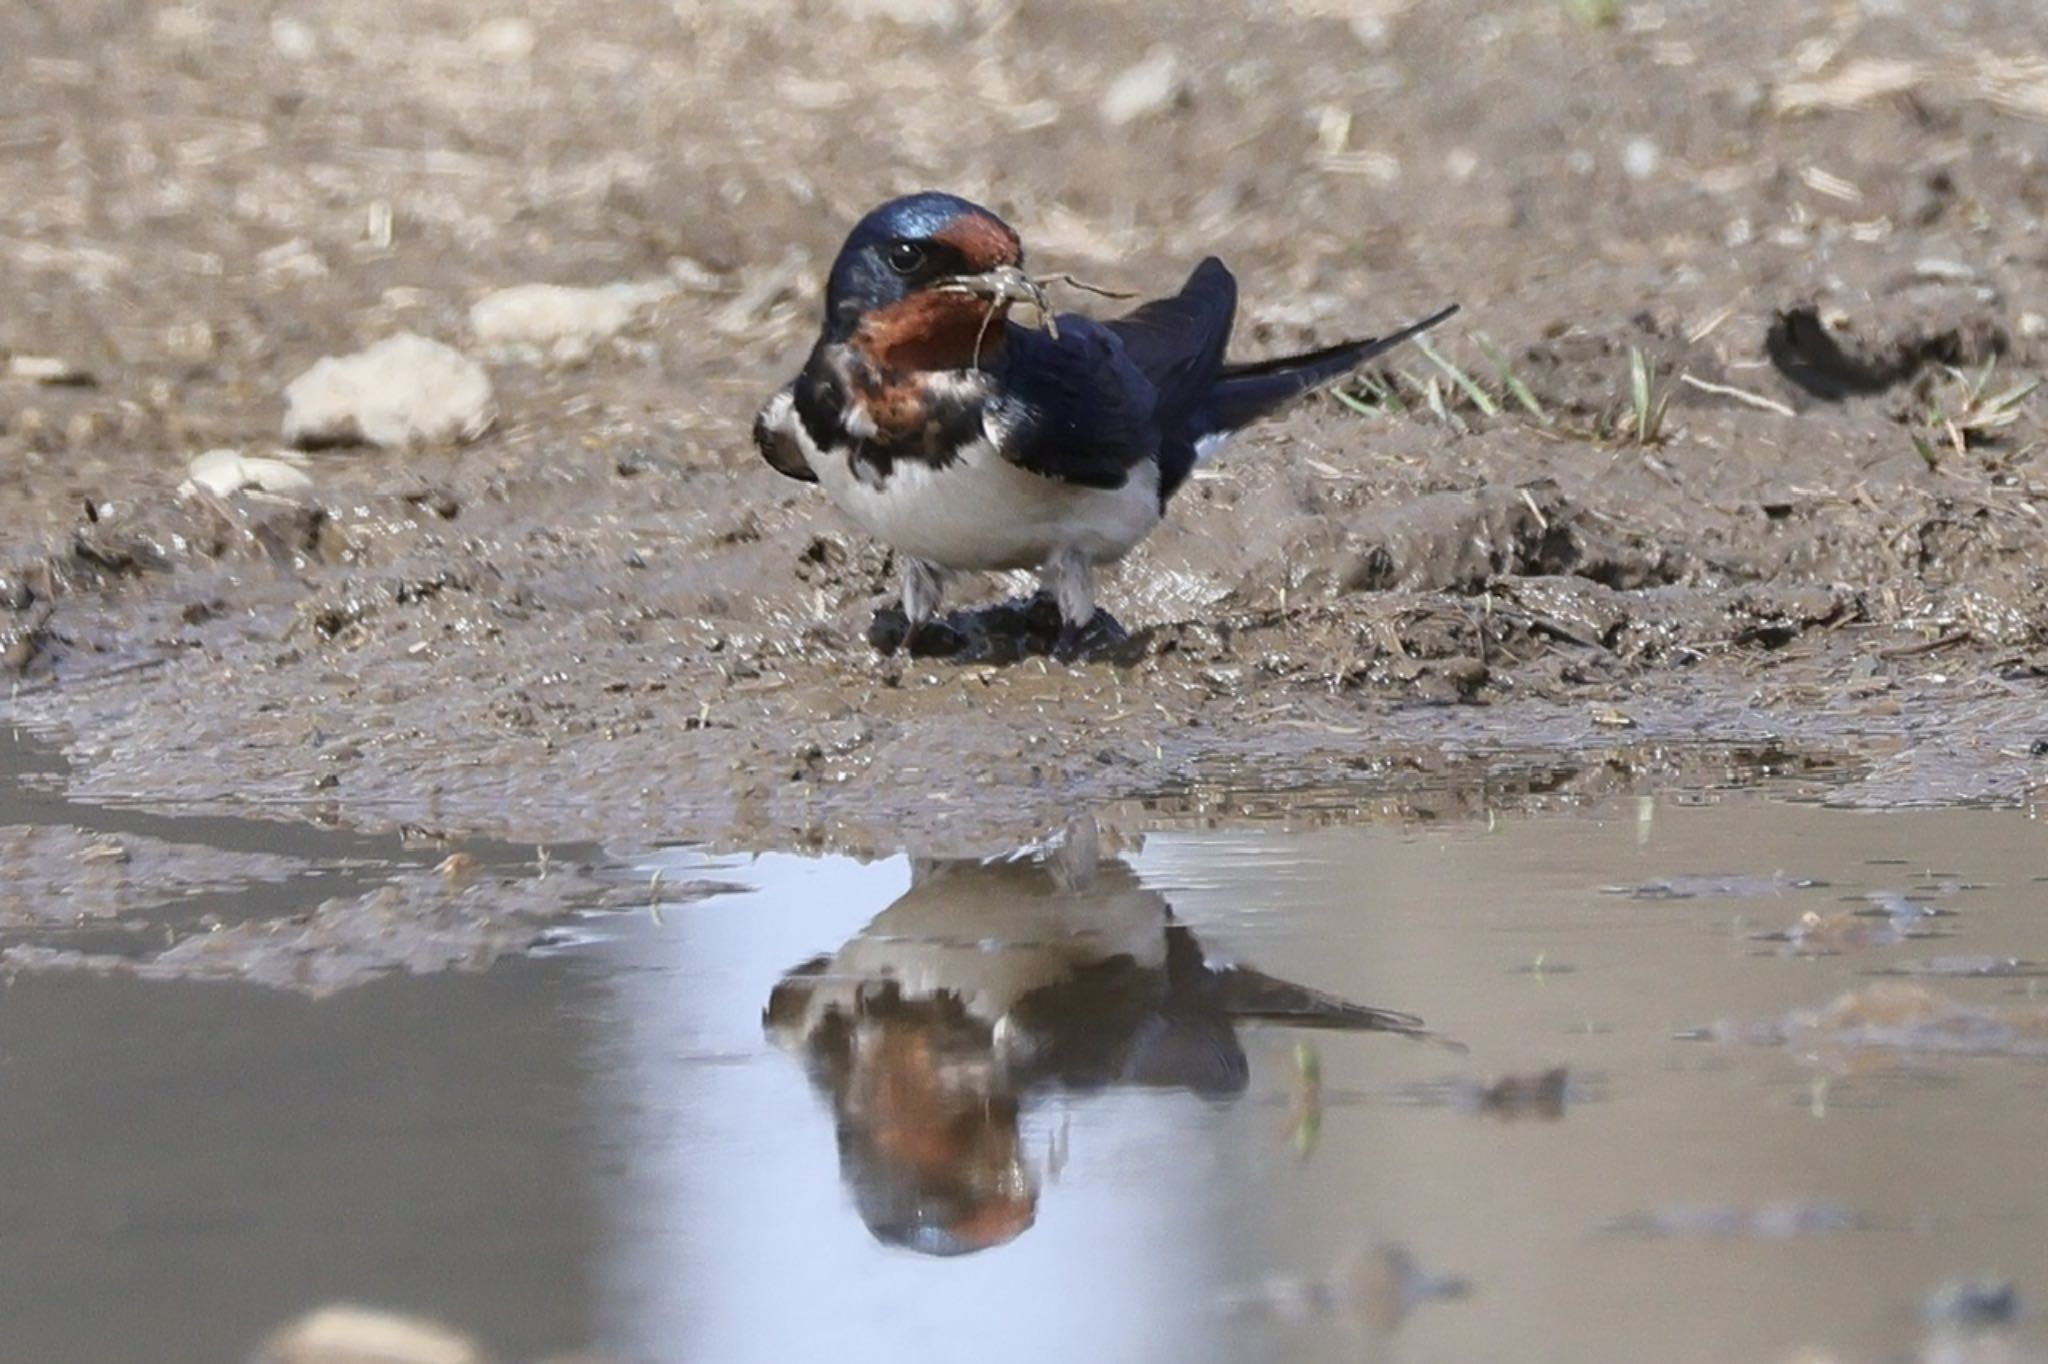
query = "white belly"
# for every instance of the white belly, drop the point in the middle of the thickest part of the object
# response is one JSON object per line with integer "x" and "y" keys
{"x": 983, "y": 512}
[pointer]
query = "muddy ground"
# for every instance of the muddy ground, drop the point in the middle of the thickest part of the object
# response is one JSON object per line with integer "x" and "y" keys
{"x": 1813, "y": 229}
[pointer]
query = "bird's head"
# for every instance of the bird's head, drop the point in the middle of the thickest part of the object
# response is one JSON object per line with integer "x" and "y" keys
{"x": 924, "y": 282}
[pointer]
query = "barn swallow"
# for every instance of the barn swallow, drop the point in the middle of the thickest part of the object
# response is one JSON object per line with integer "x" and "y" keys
{"x": 964, "y": 440}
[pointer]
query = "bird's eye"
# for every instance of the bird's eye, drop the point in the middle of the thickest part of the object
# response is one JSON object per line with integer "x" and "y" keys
{"x": 905, "y": 257}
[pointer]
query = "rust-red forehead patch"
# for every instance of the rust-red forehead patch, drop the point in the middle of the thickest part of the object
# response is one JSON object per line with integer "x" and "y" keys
{"x": 985, "y": 240}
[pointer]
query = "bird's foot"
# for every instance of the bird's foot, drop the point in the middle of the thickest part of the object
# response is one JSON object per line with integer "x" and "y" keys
{"x": 891, "y": 630}
{"x": 934, "y": 639}
{"x": 1006, "y": 632}
{"x": 1102, "y": 635}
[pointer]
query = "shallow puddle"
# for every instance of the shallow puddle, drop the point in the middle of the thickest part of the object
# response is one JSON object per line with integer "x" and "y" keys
{"x": 1092, "y": 1102}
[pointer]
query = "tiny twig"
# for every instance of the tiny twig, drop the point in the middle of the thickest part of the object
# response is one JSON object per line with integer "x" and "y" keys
{"x": 1083, "y": 285}
{"x": 1927, "y": 646}
{"x": 1001, "y": 287}
{"x": 1740, "y": 395}
{"x": 981, "y": 332}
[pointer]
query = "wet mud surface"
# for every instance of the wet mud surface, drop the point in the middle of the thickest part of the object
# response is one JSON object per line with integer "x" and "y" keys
{"x": 113, "y": 890}
{"x": 1807, "y": 230}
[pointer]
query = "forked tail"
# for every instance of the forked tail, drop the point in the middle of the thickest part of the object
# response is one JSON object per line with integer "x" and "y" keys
{"x": 1244, "y": 393}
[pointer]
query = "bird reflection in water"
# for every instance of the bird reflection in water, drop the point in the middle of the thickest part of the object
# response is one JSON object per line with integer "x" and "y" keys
{"x": 988, "y": 985}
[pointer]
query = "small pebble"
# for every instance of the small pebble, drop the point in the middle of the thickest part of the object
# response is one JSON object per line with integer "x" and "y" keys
{"x": 105, "y": 850}
{"x": 346, "y": 1334}
{"x": 1640, "y": 158}
{"x": 563, "y": 323}
{"x": 295, "y": 40}
{"x": 48, "y": 370}
{"x": 438, "y": 501}
{"x": 1944, "y": 271}
{"x": 1970, "y": 1304}
{"x": 227, "y": 472}
{"x": 1150, "y": 87}
{"x": 507, "y": 39}
{"x": 404, "y": 389}
{"x": 457, "y": 870}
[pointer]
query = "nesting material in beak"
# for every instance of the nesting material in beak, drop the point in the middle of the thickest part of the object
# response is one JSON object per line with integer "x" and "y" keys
{"x": 1003, "y": 286}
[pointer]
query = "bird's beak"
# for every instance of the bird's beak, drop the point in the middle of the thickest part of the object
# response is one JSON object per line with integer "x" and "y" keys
{"x": 1003, "y": 286}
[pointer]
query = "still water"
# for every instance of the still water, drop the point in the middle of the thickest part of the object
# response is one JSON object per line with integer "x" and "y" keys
{"x": 1099, "y": 1100}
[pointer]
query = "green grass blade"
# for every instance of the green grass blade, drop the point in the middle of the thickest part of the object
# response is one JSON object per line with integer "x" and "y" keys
{"x": 1481, "y": 399}
{"x": 1511, "y": 381}
{"x": 1648, "y": 405}
{"x": 2013, "y": 397}
{"x": 1357, "y": 404}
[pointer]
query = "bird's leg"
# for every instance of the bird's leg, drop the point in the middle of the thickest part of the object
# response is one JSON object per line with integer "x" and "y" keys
{"x": 924, "y": 583}
{"x": 1070, "y": 577}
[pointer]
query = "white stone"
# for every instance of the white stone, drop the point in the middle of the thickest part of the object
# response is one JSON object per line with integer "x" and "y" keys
{"x": 1150, "y": 87}
{"x": 1944, "y": 271}
{"x": 1640, "y": 158}
{"x": 46, "y": 369}
{"x": 564, "y": 323}
{"x": 402, "y": 390}
{"x": 507, "y": 39}
{"x": 295, "y": 39}
{"x": 227, "y": 472}
{"x": 348, "y": 1334}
